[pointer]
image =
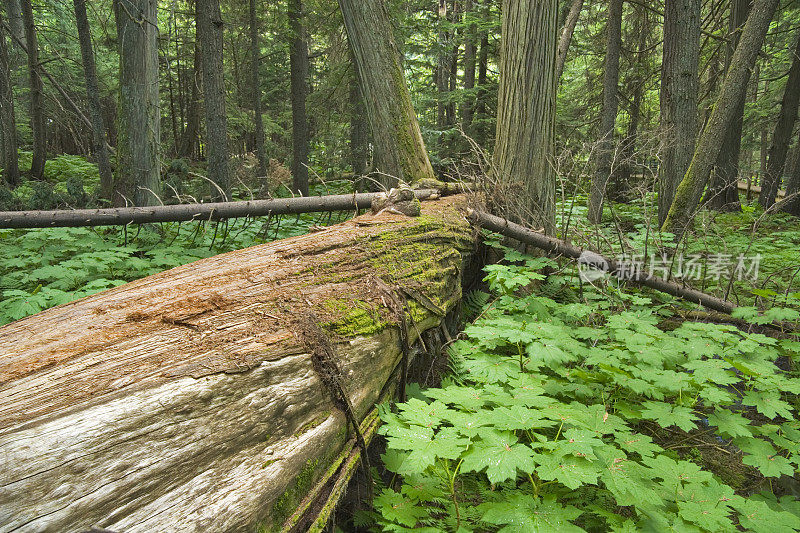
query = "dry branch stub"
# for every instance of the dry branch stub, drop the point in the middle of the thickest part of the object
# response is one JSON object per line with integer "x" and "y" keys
{"x": 187, "y": 400}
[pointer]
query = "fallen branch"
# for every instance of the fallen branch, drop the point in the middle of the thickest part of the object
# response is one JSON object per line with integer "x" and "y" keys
{"x": 184, "y": 212}
{"x": 559, "y": 247}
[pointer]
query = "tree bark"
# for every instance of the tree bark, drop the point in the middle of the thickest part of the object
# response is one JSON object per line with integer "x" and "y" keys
{"x": 359, "y": 136}
{"x": 690, "y": 190}
{"x": 480, "y": 130}
{"x": 188, "y": 144}
{"x": 139, "y": 117}
{"x": 16, "y": 26}
{"x": 470, "y": 53}
{"x": 679, "y": 94}
{"x": 255, "y": 64}
{"x": 621, "y": 186}
{"x": 722, "y": 193}
{"x": 566, "y": 36}
{"x": 604, "y": 158}
{"x": 399, "y": 149}
{"x": 9, "y": 160}
{"x": 442, "y": 66}
{"x": 192, "y": 401}
{"x": 781, "y": 136}
{"x": 209, "y": 31}
{"x": 298, "y": 58}
{"x": 93, "y": 96}
{"x": 792, "y": 205}
{"x": 37, "y": 105}
{"x": 526, "y": 112}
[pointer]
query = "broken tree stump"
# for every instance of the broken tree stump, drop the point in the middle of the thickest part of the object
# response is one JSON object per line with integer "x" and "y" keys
{"x": 188, "y": 401}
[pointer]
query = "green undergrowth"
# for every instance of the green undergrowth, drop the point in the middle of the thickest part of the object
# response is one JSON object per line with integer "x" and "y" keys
{"x": 588, "y": 416}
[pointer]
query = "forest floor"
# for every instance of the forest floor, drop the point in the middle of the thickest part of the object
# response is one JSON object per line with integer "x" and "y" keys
{"x": 570, "y": 403}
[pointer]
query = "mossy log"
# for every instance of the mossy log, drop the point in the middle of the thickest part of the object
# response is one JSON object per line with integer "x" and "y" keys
{"x": 187, "y": 401}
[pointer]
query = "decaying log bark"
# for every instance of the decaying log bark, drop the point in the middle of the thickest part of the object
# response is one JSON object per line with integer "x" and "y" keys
{"x": 187, "y": 401}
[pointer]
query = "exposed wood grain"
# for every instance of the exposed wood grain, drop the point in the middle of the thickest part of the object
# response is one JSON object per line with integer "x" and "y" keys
{"x": 184, "y": 401}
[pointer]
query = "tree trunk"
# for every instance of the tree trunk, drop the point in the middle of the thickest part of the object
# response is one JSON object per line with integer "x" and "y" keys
{"x": 399, "y": 150}
{"x": 93, "y": 95}
{"x": 255, "y": 64}
{"x": 9, "y": 160}
{"x": 608, "y": 115}
{"x": 138, "y": 168}
{"x": 16, "y": 25}
{"x": 442, "y": 67}
{"x": 482, "y": 94}
{"x": 209, "y": 31}
{"x": 783, "y": 132}
{"x": 37, "y": 105}
{"x": 690, "y": 190}
{"x": 621, "y": 187}
{"x": 566, "y": 36}
{"x": 188, "y": 144}
{"x": 191, "y": 400}
{"x": 298, "y": 57}
{"x": 723, "y": 194}
{"x": 679, "y": 93}
{"x": 526, "y": 112}
{"x": 359, "y": 136}
{"x": 453, "y": 74}
{"x": 470, "y": 52}
{"x": 793, "y": 188}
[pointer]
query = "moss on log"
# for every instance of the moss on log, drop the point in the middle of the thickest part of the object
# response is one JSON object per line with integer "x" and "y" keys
{"x": 185, "y": 401}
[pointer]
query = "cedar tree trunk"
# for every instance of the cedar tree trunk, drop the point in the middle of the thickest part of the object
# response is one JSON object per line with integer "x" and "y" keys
{"x": 209, "y": 31}
{"x": 93, "y": 95}
{"x": 679, "y": 93}
{"x": 399, "y": 149}
{"x": 608, "y": 116}
{"x": 526, "y": 112}
{"x": 138, "y": 121}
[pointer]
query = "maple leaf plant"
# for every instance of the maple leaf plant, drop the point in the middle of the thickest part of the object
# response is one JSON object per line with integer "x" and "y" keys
{"x": 593, "y": 416}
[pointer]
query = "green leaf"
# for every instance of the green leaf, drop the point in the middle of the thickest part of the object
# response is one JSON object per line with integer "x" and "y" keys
{"x": 711, "y": 516}
{"x": 675, "y": 473}
{"x": 730, "y": 424}
{"x": 396, "y": 508}
{"x": 768, "y": 404}
{"x": 518, "y": 417}
{"x": 570, "y": 471}
{"x": 522, "y": 513}
{"x": 638, "y": 443}
{"x": 579, "y": 442}
{"x": 415, "y": 411}
{"x": 669, "y": 415}
{"x": 762, "y": 455}
{"x": 500, "y": 454}
{"x": 758, "y": 517}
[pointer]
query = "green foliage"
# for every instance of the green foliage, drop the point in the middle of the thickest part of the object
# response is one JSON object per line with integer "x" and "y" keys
{"x": 589, "y": 416}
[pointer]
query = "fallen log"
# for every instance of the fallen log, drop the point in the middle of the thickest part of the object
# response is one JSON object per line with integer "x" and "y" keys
{"x": 559, "y": 247}
{"x": 122, "y": 216}
{"x": 189, "y": 401}
{"x": 748, "y": 187}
